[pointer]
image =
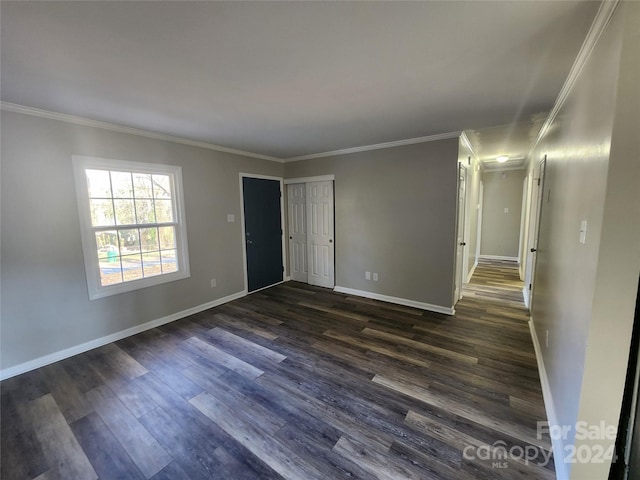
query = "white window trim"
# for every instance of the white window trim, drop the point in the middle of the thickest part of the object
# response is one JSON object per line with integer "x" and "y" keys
{"x": 89, "y": 247}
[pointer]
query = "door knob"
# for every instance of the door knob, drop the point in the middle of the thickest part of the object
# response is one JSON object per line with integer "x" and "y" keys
{"x": 462, "y": 244}
{"x": 290, "y": 238}
{"x": 533, "y": 250}
{"x": 330, "y": 240}
{"x": 249, "y": 242}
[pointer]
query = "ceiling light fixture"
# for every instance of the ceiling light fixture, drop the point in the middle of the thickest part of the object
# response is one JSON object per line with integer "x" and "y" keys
{"x": 502, "y": 158}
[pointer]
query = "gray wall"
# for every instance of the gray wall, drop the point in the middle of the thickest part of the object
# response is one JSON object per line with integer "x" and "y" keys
{"x": 395, "y": 212}
{"x": 501, "y": 231}
{"x": 585, "y": 294}
{"x": 45, "y": 305}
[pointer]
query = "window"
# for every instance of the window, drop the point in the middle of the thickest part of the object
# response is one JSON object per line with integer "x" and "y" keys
{"x": 132, "y": 224}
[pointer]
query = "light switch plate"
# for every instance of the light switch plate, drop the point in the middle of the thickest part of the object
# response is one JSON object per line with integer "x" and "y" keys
{"x": 231, "y": 218}
{"x": 583, "y": 232}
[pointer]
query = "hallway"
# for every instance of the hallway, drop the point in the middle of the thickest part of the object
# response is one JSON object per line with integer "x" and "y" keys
{"x": 496, "y": 281}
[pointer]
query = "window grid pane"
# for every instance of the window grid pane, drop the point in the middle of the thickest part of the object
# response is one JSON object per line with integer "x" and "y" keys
{"x": 142, "y": 187}
{"x": 167, "y": 237}
{"x": 164, "y": 210}
{"x": 169, "y": 261}
{"x": 111, "y": 271}
{"x": 131, "y": 267}
{"x": 151, "y": 263}
{"x": 101, "y": 212}
{"x": 131, "y": 200}
{"x": 121, "y": 185}
{"x": 124, "y": 209}
{"x": 149, "y": 239}
{"x": 98, "y": 183}
{"x": 162, "y": 186}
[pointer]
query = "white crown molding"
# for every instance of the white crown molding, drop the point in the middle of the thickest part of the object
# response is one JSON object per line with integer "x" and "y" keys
{"x": 600, "y": 22}
{"x": 489, "y": 169}
{"x": 319, "y": 178}
{"x": 377, "y": 146}
{"x": 63, "y": 117}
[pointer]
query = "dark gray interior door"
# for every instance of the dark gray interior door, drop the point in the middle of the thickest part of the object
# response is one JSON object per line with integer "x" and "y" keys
{"x": 263, "y": 232}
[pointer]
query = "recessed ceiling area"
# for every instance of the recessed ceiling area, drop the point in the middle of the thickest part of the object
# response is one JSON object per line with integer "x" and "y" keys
{"x": 512, "y": 140}
{"x": 287, "y": 79}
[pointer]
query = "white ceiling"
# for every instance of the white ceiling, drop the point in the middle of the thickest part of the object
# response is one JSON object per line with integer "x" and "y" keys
{"x": 286, "y": 79}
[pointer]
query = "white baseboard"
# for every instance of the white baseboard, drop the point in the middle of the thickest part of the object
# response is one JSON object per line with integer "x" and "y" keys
{"x": 498, "y": 257}
{"x": 98, "y": 342}
{"x": 287, "y": 279}
{"x": 472, "y": 271}
{"x": 552, "y": 418}
{"x": 397, "y": 300}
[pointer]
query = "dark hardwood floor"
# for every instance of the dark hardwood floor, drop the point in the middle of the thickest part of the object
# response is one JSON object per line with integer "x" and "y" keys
{"x": 292, "y": 382}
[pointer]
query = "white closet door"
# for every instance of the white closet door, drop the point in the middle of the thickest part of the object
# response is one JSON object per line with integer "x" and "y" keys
{"x": 320, "y": 246}
{"x": 297, "y": 232}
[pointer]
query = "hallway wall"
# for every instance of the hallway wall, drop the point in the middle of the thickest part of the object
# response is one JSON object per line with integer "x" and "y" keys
{"x": 584, "y": 293}
{"x": 500, "y": 229}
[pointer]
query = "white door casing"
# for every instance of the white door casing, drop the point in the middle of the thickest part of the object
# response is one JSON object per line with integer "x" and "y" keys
{"x": 522, "y": 241}
{"x": 320, "y": 246}
{"x": 297, "y": 231}
{"x": 460, "y": 241}
{"x": 479, "y": 230}
{"x": 532, "y": 256}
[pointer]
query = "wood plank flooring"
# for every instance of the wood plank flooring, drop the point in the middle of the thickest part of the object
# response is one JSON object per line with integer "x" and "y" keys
{"x": 497, "y": 282}
{"x": 292, "y": 382}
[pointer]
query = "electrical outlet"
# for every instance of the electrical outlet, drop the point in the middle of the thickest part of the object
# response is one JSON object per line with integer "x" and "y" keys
{"x": 546, "y": 339}
{"x": 375, "y": 277}
{"x": 367, "y": 275}
{"x": 213, "y": 282}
